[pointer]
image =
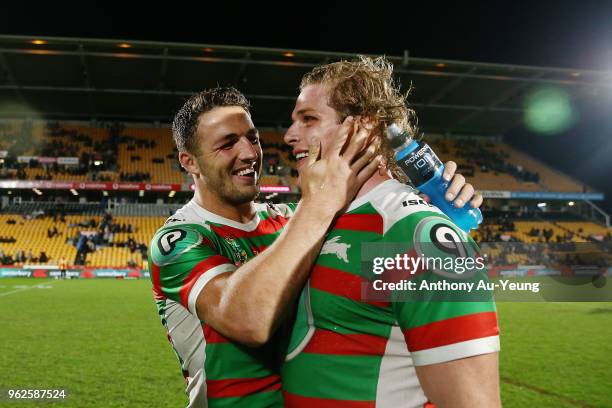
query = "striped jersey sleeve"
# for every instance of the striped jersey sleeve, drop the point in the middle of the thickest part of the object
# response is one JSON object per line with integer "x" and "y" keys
{"x": 441, "y": 330}
{"x": 183, "y": 260}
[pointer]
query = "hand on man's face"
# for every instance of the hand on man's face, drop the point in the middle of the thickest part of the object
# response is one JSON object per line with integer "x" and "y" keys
{"x": 332, "y": 177}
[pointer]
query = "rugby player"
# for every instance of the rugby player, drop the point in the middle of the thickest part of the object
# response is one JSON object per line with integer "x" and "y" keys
{"x": 349, "y": 351}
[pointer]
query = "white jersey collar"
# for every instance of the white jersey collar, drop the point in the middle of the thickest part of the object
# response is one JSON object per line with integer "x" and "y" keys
{"x": 378, "y": 191}
{"x": 217, "y": 219}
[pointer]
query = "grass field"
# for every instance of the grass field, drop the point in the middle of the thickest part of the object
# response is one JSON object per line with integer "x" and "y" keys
{"x": 103, "y": 342}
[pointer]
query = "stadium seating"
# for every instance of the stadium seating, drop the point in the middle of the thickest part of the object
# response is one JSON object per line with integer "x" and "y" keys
{"x": 30, "y": 234}
{"x": 148, "y": 154}
{"x": 165, "y": 172}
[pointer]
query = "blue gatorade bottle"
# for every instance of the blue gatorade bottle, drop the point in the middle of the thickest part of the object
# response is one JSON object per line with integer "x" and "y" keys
{"x": 424, "y": 170}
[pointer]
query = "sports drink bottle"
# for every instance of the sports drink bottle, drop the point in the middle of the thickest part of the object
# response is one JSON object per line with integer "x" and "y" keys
{"x": 418, "y": 161}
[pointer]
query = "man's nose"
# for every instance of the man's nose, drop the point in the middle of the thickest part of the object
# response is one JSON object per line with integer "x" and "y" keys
{"x": 291, "y": 136}
{"x": 248, "y": 150}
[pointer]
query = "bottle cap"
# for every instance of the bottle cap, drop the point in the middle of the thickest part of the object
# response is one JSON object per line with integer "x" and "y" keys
{"x": 397, "y": 136}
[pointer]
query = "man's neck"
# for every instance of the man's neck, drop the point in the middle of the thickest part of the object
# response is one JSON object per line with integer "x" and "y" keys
{"x": 375, "y": 180}
{"x": 242, "y": 213}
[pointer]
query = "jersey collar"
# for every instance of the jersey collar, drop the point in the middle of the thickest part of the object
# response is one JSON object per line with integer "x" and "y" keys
{"x": 217, "y": 219}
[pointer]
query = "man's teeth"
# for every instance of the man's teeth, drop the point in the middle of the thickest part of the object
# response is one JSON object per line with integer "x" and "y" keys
{"x": 301, "y": 155}
{"x": 245, "y": 172}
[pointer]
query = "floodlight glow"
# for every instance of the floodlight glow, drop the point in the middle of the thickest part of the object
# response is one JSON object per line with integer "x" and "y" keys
{"x": 548, "y": 110}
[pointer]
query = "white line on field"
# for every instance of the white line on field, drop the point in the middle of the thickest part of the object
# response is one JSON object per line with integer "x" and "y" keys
{"x": 21, "y": 289}
{"x": 13, "y": 291}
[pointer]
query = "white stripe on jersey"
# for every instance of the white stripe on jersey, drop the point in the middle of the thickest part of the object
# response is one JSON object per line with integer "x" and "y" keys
{"x": 398, "y": 385}
{"x": 203, "y": 280}
{"x": 483, "y": 345}
{"x": 191, "y": 349}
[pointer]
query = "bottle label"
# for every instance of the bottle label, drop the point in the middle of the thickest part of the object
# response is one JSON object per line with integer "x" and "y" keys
{"x": 420, "y": 165}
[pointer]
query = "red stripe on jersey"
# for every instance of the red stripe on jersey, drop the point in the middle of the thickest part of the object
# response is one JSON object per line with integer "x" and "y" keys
{"x": 453, "y": 330}
{"x": 240, "y": 387}
{"x": 341, "y": 283}
{"x": 360, "y": 222}
{"x": 213, "y": 336}
{"x": 428, "y": 405}
{"x": 268, "y": 226}
{"x": 330, "y": 342}
{"x": 298, "y": 401}
{"x": 156, "y": 279}
{"x": 196, "y": 272}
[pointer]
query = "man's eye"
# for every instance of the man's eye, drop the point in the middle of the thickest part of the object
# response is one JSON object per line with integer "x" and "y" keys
{"x": 309, "y": 119}
{"x": 227, "y": 146}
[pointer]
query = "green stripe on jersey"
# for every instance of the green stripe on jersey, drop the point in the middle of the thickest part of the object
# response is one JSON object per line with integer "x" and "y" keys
{"x": 228, "y": 361}
{"x": 341, "y": 377}
{"x": 267, "y": 399}
{"x": 343, "y": 315}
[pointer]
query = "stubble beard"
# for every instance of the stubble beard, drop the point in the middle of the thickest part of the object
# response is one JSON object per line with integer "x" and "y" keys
{"x": 221, "y": 184}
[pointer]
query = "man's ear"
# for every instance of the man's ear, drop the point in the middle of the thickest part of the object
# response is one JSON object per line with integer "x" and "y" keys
{"x": 189, "y": 163}
{"x": 373, "y": 124}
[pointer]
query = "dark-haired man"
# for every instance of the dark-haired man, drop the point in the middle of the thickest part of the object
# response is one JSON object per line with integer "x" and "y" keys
{"x": 213, "y": 302}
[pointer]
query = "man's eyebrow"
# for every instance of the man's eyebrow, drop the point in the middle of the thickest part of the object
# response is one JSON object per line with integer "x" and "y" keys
{"x": 302, "y": 111}
{"x": 229, "y": 136}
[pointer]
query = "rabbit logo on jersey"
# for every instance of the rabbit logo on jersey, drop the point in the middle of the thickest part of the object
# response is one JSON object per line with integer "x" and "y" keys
{"x": 340, "y": 249}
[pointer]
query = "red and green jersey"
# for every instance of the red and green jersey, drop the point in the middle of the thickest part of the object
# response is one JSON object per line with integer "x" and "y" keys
{"x": 193, "y": 247}
{"x": 348, "y": 351}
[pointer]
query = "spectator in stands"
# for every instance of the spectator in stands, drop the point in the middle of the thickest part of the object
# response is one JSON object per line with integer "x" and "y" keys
{"x": 43, "y": 258}
{"x": 131, "y": 244}
{"x": 20, "y": 256}
{"x": 52, "y": 232}
{"x": 143, "y": 250}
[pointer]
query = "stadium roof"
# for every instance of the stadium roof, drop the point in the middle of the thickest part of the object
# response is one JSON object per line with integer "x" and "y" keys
{"x": 139, "y": 80}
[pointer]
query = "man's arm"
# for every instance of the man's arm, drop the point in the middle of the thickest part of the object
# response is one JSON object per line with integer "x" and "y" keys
{"x": 247, "y": 304}
{"x": 453, "y": 342}
{"x": 465, "y": 383}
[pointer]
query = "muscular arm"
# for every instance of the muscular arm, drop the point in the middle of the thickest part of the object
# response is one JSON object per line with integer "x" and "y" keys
{"x": 465, "y": 383}
{"x": 247, "y": 304}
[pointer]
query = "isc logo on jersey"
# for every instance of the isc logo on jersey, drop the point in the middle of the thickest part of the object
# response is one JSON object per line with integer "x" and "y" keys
{"x": 172, "y": 243}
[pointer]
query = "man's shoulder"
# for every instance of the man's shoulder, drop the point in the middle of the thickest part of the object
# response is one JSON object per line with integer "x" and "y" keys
{"x": 395, "y": 202}
{"x": 181, "y": 232}
{"x": 285, "y": 210}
